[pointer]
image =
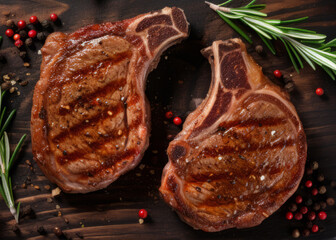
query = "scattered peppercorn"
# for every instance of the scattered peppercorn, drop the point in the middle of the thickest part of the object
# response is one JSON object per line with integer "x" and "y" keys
{"x": 322, "y": 190}
{"x": 40, "y": 36}
{"x": 309, "y": 171}
{"x": 333, "y": 184}
{"x": 9, "y": 32}
{"x": 23, "y": 54}
{"x": 5, "y": 86}
{"x": 53, "y": 17}
{"x": 317, "y": 206}
{"x": 32, "y": 33}
{"x": 33, "y": 20}
{"x": 296, "y": 233}
{"x": 177, "y": 121}
{"x": 323, "y": 205}
{"x": 311, "y": 216}
{"x": 142, "y": 213}
{"x": 169, "y": 115}
{"x": 330, "y": 201}
{"x": 18, "y": 43}
{"x": 314, "y": 228}
{"x": 41, "y": 230}
{"x": 30, "y": 26}
{"x": 292, "y": 207}
{"x": 45, "y": 24}
{"x": 58, "y": 232}
{"x": 305, "y": 232}
{"x": 21, "y": 24}
{"x": 315, "y": 165}
{"x": 260, "y": 50}
{"x": 23, "y": 34}
{"x": 309, "y": 184}
{"x": 304, "y": 210}
{"x": 314, "y": 192}
{"x": 277, "y": 74}
{"x": 290, "y": 86}
{"x": 298, "y": 199}
{"x": 289, "y": 215}
{"x": 320, "y": 178}
{"x": 322, "y": 215}
{"x": 298, "y": 216}
{"x": 10, "y": 23}
{"x": 29, "y": 42}
{"x": 16, "y": 37}
{"x": 319, "y": 91}
{"x": 309, "y": 202}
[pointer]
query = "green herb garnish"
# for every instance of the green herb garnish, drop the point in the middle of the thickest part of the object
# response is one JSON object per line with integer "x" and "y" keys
{"x": 6, "y": 161}
{"x": 298, "y": 42}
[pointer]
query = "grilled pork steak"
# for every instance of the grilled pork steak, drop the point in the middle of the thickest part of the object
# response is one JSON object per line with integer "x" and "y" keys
{"x": 241, "y": 153}
{"x": 90, "y": 118}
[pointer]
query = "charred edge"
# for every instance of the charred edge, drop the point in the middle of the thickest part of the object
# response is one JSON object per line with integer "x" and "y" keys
{"x": 213, "y": 152}
{"x": 180, "y": 20}
{"x": 74, "y": 130}
{"x": 233, "y": 71}
{"x": 157, "y": 35}
{"x": 155, "y": 20}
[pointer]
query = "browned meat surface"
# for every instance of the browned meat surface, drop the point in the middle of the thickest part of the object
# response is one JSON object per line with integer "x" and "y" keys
{"x": 90, "y": 118}
{"x": 241, "y": 153}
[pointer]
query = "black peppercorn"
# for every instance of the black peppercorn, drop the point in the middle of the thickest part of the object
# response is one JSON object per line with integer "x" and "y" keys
{"x": 29, "y": 42}
{"x": 309, "y": 224}
{"x": 46, "y": 24}
{"x": 23, "y": 34}
{"x": 333, "y": 184}
{"x": 315, "y": 165}
{"x": 23, "y": 54}
{"x": 330, "y": 201}
{"x": 46, "y": 34}
{"x": 260, "y": 50}
{"x": 305, "y": 232}
{"x": 290, "y": 87}
{"x": 323, "y": 205}
{"x": 320, "y": 178}
{"x": 41, "y": 36}
{"x": 58, "y": 232}
{"x": 10, "y": 23}
{"x": 41, "y": 230}
{"x": 322, "y": 190}
{"x": 292, "y": 207}
{"x": 309, "y": 171}
{"x": 316, "y": 206}
{"x": 31, "y": 26}
{"x": 309, "y": 202}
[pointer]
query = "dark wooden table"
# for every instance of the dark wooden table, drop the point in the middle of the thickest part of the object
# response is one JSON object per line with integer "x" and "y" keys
{"x": 180, "y": 78}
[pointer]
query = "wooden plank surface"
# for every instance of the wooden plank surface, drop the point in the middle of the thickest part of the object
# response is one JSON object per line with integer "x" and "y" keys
{"x": 180, "y": 78}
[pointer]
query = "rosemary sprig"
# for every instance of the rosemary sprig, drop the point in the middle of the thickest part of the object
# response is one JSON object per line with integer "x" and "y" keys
{"x": 298, "y": 42}
{"x": 6, "y": 161}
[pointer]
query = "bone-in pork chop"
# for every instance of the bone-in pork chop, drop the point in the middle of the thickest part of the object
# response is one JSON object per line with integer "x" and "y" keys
{"x": 241, "y": 153}
{"x": 90, "y": 119}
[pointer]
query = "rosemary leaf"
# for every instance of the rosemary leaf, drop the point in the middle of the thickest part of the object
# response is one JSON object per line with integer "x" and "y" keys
{"x": 268, "y": 44}
{"x": 290, "y": 55}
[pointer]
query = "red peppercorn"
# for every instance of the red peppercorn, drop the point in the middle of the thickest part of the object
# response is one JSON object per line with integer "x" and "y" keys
{"x": 319, "y": 91}
{"x": 298, "y": 216}
{"x": 32, "y": 33}
{"x": 298, "y": 199}
{"x": 177, "y": 121}
{"x": 16, "y": 37}
{"x": 18, "y": 43}
{"x": 169, "y": 115}
{"x": 277, "y": 74}
{"x": 311, "y": 216}
{"x": 21, "y": 24}
{"x": 33, "y": 20}
{"x": 304, "y": 210}
{"x": 309, "y": 184}
{"x": 289, "y": 215}
{"x": 142, "y": 213}
{"x": 315, "y": 228}
{"x": 322, "y": 215}
{"x": 53, "y": 17}
{"x": 314, "y": 192}
{"x": 9, "y": 32}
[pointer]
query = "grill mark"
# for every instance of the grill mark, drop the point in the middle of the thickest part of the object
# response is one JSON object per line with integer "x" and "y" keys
{"x": 112, "y": 135}
{"x": 84, "y": 124}
{"x": 213, "y": 152}
{"x": 78, "y": 75}
{"x": 270, "y": 121}
{"x": 87, "y": 98}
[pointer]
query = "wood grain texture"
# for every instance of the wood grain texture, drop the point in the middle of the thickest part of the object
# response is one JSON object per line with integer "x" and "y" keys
{"x": 181, "y": 78}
